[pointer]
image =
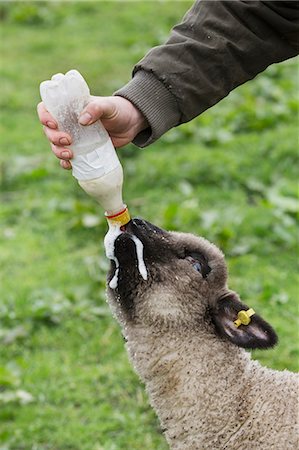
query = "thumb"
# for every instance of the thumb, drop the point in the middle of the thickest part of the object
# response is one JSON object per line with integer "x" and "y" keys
{"x": 100, "y": 108}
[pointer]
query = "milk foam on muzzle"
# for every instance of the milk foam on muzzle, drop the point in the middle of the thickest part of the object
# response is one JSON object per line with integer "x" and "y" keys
{"x": 109, "y": 243}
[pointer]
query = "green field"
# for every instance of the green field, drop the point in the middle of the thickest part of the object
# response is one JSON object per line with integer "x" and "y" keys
{"x": 230, "y": 175}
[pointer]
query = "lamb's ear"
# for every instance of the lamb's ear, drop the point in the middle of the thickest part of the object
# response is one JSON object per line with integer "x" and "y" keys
{"x": 257, "y": 334}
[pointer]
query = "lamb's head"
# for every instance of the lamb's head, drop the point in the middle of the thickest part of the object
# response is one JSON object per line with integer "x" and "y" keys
{"x": 184, "y": 286}
{"x": 182, "y": 271}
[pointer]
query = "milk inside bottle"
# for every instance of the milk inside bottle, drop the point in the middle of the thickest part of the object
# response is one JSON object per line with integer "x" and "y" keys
{"x": 95, "y": 163}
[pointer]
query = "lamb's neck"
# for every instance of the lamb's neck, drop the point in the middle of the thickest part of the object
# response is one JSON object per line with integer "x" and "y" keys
{"x": 198, "y": 353}
{"x": 185, "y": 375}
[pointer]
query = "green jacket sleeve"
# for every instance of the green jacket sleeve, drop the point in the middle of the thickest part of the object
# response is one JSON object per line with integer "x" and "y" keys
{"x": 217, "y": 46}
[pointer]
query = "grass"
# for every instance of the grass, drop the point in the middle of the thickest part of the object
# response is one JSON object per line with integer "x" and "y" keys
{"x": 230, "y": 175}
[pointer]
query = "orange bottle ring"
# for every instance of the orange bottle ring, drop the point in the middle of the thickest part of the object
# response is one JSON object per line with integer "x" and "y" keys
{"x": 120, "y": 218}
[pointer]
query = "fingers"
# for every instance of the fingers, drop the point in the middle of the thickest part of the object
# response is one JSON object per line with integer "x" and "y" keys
{"x": 45, "y": 117}
{"x": 61, "y": 152}
{"x": 50, "y": 127}
{"x": 64, "y": 155}
{"x": 65, "y": 165}
{"x": 57, "y": 137}
{"x": 99, "y": 108}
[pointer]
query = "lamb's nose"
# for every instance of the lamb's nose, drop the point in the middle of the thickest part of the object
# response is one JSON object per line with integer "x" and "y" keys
{"x": 139, "y": 223}
{"x": 133, "y": 225}
{"x": 142, "y": 226}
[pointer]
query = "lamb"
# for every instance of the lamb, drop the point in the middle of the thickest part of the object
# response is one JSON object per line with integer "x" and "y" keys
{"x": 182, "y": 339}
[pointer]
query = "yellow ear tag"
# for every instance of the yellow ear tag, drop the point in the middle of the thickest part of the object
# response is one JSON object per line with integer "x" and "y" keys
{"x": 244, "y": 317}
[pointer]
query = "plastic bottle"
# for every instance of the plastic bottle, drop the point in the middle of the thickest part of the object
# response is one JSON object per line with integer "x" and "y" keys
{"x": 95, "y": 163}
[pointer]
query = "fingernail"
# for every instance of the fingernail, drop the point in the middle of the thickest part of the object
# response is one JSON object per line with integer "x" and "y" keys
{"x": 65, "y": 154}
{"x": 65, "y": 165}
{"x": 51, "y": 125}
{"x": 64, "y": 141}
{"x": 85, "y": 118}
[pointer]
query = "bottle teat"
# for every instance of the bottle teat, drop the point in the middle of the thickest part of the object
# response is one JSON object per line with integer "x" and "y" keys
{"x": 119, "y": 219}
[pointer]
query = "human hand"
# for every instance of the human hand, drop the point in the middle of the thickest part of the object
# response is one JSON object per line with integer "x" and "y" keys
{"x": 120, "y": 117}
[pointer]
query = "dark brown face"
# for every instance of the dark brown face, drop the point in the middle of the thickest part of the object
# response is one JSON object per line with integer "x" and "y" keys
{"x": 150, "y": 236}
{"x": 156, "y": 248}
{"x": 176, "y": 262}
{"x": 167, "y": 280}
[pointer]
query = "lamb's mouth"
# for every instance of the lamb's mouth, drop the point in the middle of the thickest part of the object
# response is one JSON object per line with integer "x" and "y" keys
{"x": 128, "y": 256}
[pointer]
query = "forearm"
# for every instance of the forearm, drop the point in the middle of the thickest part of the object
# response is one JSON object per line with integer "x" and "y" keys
{"x": 218, "y": 46}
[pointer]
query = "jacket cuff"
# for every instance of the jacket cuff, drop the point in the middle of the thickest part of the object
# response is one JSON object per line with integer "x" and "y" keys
{"x": 156, "y": 103}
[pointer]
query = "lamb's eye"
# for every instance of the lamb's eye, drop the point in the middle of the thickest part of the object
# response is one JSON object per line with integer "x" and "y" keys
{"x": 196, "y": 264}
{"x": 199, "y": 263}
